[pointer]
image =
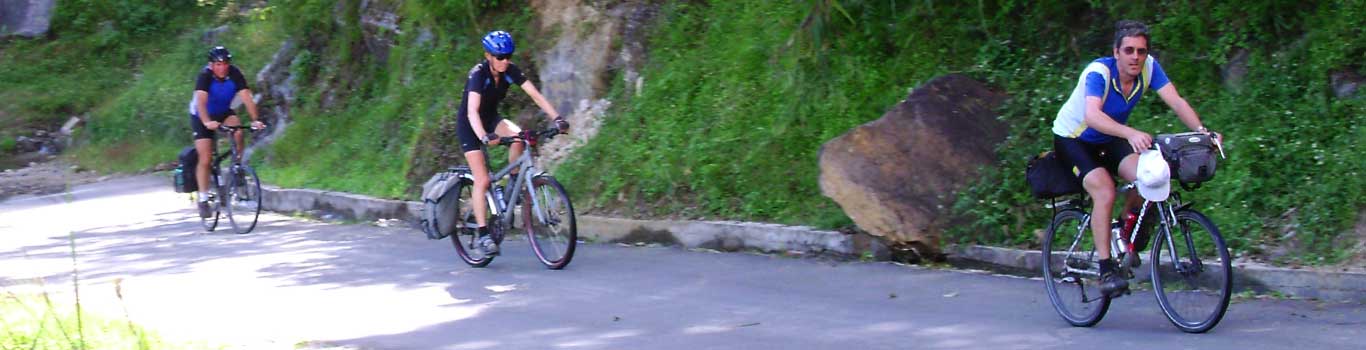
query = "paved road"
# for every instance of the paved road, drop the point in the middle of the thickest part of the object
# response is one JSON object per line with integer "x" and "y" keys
{"x": 369, "y": 287}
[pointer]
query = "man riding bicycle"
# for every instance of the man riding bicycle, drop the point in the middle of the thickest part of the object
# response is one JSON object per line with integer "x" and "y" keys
{"x": 479, "y": 123}
{"x": 1092, "y": 137}
{"x": 214, "y": 90}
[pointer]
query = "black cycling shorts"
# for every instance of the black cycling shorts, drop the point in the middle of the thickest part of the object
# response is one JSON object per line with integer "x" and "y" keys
{"x": 1082, "y": 157}
{"x": 203, "y": 132}
{"x": 468, "y": 140}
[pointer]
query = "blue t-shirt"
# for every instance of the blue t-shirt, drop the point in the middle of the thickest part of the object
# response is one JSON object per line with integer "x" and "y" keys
{"x": 221, "y": 91}
{"x": 1071, "y": 120}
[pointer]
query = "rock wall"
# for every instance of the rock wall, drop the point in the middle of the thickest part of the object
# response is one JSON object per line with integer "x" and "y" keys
{"x": 25, "y": 18}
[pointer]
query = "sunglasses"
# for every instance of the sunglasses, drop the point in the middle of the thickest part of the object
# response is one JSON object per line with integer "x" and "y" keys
{"x": 1130, "y": 50}
{"x": 502, "y": 57}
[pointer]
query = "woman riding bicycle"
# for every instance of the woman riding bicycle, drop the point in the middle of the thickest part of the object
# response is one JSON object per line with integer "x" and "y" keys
{"x": 479, "y": 123}
{"x": 1092, "y": 137}
{"x": 217, "y": 85}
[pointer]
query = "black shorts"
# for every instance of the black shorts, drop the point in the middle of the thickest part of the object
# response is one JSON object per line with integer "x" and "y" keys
{"x": 1082, "y": 157}
{"x": 468, "y": 140}
{"x": 203, "y": 132}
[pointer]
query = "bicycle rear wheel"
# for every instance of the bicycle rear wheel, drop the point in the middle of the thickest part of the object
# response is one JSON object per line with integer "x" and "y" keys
{"x": 1071, "y": 270}
{"x": 211, "y": 222}
{"x": 549, "y": 222}
{"x": 464, "y": 236}
{"x": 243, "y": 199}
{"x": 1192, "y": 272}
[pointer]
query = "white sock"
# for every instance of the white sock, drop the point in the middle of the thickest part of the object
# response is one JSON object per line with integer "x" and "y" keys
{"x": 203, "y": 196}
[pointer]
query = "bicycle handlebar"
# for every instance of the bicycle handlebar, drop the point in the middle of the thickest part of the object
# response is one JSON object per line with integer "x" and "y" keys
{"x": 230, "y": 128}
{"x": 529, "y": 136}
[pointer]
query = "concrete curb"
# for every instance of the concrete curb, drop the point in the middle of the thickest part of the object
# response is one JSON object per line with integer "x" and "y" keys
{"x": 773, "y": 238}
{"x": 340, "y": 204}
{"x": 718, "y": 235}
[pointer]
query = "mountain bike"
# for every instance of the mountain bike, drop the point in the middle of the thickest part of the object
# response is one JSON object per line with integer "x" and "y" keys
{"x": 547, "y": 214}
{"x": 242, "y": 202}
{"x": 1190, "y": 267}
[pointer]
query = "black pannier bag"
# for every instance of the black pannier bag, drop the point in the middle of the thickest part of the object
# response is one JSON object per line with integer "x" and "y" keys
{"x": 184, "y": 172}
{"x": 1049, "y": 177}
{"x": 1192, "y": 155}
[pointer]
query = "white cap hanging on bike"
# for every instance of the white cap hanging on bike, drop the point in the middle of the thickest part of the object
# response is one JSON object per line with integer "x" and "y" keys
{"x": 1154, "y": 176}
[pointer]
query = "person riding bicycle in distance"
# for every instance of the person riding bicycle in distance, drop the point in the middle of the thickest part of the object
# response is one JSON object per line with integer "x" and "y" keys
{"x": 214, "y": 90}
{"x": 478, "y": 122}
{"x": 1092, "y": 137}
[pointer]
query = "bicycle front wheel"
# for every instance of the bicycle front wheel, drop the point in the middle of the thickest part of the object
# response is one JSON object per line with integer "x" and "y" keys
{"x": 243, "y": 199}
{"x": 1071, "y": 270}
{"x": 1192, "y": 272}
{"x": 464, "y": 237}
{"x": 548, "y": 218}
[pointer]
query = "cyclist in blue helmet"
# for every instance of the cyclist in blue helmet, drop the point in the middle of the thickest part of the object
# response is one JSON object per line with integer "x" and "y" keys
{"x": 478, "y": 121}
{"x": 1092, "y": 135}
{"x": 216, "y": 87}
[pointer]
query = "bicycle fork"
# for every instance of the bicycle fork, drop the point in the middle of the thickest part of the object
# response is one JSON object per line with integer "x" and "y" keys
{"x": 1194, "y": 265}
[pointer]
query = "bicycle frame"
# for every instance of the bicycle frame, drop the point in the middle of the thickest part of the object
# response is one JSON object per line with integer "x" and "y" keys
{"x": 527, "y": 171}
{"x": 232, "y": 151}
{"x": 1167, "y": 212}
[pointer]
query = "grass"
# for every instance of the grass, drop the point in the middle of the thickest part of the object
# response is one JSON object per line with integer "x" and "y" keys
{"x": 738, "y": 98}
{"x": 45, "y": 321}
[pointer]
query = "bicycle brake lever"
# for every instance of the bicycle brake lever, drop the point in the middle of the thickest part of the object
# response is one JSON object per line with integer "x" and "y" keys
{"x": 1219, "y": 145}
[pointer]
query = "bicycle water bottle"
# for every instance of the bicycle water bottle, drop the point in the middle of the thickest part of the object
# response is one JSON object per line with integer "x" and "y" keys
{"x": 1117, "y": 247}
{"x": 179, "y": 176}
{"x": 498, "y": 197}
{"x": 1130, "y": 218}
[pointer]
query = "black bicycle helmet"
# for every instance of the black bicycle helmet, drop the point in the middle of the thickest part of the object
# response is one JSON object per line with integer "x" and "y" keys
{"x": 219, "y": 54}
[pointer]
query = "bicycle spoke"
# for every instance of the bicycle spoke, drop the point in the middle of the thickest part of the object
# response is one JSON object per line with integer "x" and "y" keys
{"x": 1193, "y": 294}
{"x": 1070, "y": 275}
{"x": 549, "y": 222}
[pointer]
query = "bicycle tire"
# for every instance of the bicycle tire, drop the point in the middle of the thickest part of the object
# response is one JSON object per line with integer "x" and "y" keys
{"x": 1212, "y": 287}
{"x": 553, "y": 233}
{"x": 1075, "y": 297}
{"x": 463, "y": 237}
{"x": 243, "y": 199}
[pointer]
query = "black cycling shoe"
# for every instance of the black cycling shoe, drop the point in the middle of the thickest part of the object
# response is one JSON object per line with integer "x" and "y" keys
{"x": 204, "y": 211}
{"x": 1113, "y": 286}
{"x": 487, "y": 245}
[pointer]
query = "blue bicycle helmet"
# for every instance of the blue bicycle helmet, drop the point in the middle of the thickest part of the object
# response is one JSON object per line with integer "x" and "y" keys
{"x": 499, "y": 43}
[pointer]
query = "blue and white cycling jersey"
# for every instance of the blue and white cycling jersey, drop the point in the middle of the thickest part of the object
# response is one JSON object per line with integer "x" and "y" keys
{"x": 1100, "y": 79}
{"x": 221, "y": 91}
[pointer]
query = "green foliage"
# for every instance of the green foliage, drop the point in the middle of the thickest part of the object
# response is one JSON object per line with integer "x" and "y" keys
{"x": 738, "y": 99}
{"x": 46, "y": 321}
{"x": 146, "y": 122}
{"x": 99, "y": 47}
{"x": 1291, "y": 178}
{"x": 382, "y": 127}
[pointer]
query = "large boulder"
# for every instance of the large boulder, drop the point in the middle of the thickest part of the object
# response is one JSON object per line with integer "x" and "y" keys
{"x": 27, "y": 18}
{"x": 897, "y": 176}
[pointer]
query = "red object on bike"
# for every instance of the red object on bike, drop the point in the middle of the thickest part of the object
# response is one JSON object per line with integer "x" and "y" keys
{"x": 529, "y": 137}
{"x": 1130, "y": 218}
